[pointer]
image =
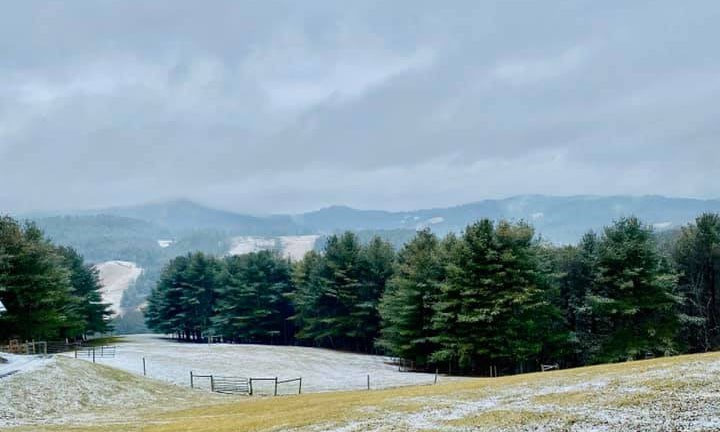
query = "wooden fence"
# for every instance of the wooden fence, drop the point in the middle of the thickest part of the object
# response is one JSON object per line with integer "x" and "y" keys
{"x": 27, "y": 348}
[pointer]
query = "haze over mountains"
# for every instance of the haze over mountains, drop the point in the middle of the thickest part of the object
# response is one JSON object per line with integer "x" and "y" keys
{"x": 557, "y": 219}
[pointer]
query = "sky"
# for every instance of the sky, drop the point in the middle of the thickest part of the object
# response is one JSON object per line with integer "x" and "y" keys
{"x": 273, "y": 106}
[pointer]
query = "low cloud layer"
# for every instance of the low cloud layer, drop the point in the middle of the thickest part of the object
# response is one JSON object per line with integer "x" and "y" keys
{"x": 288, "y": 106}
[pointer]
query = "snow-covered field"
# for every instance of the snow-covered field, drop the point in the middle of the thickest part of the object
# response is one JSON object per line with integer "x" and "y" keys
{"x": 320, "y": 369}
{"x": 293, "y": 247}
{"x": 116, "y": 277}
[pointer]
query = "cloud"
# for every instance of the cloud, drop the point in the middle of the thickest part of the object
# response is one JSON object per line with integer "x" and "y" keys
{"x": 527, "y": 71}
{"x": 287, "y": 106}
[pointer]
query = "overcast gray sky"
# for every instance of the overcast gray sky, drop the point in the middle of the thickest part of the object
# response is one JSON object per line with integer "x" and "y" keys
{"x": 270, "y": 106}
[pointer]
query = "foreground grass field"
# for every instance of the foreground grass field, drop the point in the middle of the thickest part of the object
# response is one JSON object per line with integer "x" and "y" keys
{"x": 676, "y": 393}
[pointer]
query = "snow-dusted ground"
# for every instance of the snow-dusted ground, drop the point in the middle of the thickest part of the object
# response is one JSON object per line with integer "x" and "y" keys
{"x": 320, "y": 369}
{"x": 666, "y": 394}
{"x": 60, "y": 390}
{"x": 116, "y": 277}
{"x": 293, "y": 247}
{"x": 674, "y": 394}
{"x": 21, "y": 363}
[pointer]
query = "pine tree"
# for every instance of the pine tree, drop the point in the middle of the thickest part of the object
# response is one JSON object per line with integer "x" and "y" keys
{"x": 92, "y": 314}
{"x": 338, "y": 292}
{"x": 252, "y": 302}
{"x": 334, "y": 296}
{"x": 406, "y": 307}
{"x": 183, "y": 301}
{"x": 309, "y": 286}
{"x": 34, "y": 286}
{"x": 573, "y": 272}
{"x": 199, "y": 284}
{"x": 493, "y": 308}
{"x": 630, "y": 302}
{"x": 375, "y": 269}
{"x": 697, "y": 254}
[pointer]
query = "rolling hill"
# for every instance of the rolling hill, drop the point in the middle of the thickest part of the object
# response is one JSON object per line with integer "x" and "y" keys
{"x": 671, "y": 393}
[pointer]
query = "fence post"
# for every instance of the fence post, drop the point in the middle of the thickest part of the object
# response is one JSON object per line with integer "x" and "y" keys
{"x": 436, "y": 374}
{"x": 76, "y": 352}
{"x": 212, "y": 383}
{"x": 102, "y": 351}
{"x": 191, "y": 380}
{"x": 300, "y": 386}
{"x": 144, "y": 370}
{"x": 368, "y": 381}
{"x": 251, "y": 389}
{"x": 93, "y": 354}
{"x": 275, "y": 386}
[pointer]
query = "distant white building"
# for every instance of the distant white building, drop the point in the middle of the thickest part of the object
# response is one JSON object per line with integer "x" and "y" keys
{"x": 2, "y": 308}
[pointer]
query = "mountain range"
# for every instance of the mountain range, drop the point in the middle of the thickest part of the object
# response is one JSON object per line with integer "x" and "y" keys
{"x": 558, "y": 219}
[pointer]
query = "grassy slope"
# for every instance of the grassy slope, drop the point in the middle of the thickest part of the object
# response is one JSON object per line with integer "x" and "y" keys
{"x": 662, "y": 394}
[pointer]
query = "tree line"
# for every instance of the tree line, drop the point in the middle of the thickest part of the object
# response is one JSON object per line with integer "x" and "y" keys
{"x": 49, "y": 291}
{"x": 493, "y": 295}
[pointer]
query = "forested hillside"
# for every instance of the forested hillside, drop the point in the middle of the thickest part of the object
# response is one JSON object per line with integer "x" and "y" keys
{"x": 493, "y": 295}
{"x": 101, "y": 238}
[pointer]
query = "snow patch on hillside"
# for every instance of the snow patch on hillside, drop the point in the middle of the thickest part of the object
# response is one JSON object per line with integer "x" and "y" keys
{"x": 116, "y": 277}
{"x": 165, "y": 243}
{"x": 293, "y": 247}
{"x": 247, "y": 244}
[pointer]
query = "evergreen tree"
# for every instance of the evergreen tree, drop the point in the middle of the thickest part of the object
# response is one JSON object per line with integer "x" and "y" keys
{"x": 183, "y": 301}
{"x": 252, "y": 302}
{"x": 697, "y": 254}
{"x": 338, "y": 292}
{"x": 493, "y": 309}
{"x": 406, "y": 307}
{"x": 573, "y": 272}
{"x": 164, "y": 302}
{"x": 630, "y": 301}
{"x": 335, "y": 296}
{"x": 92, "y": 314}
{"x": 375, "y": 268}
{"x": 309, "y": 284}
{"x": 34, "y": 286}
